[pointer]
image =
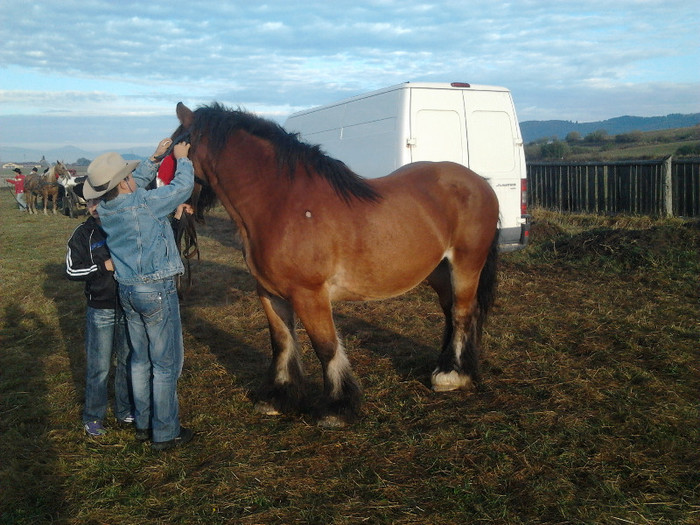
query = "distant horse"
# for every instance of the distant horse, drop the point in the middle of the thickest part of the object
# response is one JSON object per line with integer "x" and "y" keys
{"x": 46, "y": 186}
{"x": 314, "y": 232}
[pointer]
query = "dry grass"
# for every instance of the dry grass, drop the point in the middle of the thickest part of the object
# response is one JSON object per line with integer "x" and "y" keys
{"x": 588, "y": 412}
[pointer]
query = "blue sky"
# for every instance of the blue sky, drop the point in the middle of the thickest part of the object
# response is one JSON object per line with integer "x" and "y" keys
{"x": 98, "y": 74}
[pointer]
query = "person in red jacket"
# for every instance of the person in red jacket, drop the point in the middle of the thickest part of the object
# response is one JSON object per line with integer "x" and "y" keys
{"x": 18, "y": 183}
{"x": 166, "y": 171}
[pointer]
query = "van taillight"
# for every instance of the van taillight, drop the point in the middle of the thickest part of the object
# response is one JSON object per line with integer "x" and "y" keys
{"x": 523, "y": 196}
{"x": 460, "y": 84}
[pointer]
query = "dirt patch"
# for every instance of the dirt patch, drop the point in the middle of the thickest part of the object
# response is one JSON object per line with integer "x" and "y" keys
{"x": 542, "y": 231}
{"x": 627, "y": 249}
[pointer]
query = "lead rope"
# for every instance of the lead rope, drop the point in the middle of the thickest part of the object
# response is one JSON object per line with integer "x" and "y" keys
{"x": 186, "y": 234}
{"x": 183, "y": 137}
{"x": 186, "y": 231}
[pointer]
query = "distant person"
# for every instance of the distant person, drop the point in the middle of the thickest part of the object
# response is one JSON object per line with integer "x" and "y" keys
{"x": 18, "y": 183}
{"x": 146, "y": 261}
{"x": 88, "y": 259}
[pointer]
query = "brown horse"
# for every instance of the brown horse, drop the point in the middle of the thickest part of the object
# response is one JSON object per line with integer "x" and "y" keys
{"x": 46, "y": 186}
{"x": 314, "y": 232}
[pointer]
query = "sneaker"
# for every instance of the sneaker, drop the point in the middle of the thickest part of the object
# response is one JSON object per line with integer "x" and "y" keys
{"x": 184, "y": 437}
{"x": 143, "y": 434}
{"x": 128, "y": 420}
{"x": 94, "y": 429}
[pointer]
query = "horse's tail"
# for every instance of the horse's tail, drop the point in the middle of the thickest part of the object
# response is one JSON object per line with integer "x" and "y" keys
{"x": 486, "y": 291}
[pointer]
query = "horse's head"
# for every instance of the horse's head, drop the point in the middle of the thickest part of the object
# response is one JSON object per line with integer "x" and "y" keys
{"x": 203, "y": 196}
{"x": 61, "y": 170}
{"x": 51, "y": 175}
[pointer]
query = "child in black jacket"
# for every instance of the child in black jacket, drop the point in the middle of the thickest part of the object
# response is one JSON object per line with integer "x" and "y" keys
{"x": 88, "y": 260}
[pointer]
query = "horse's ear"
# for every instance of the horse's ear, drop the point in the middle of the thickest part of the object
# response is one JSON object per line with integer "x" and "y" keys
{"x": 184, "y": 114}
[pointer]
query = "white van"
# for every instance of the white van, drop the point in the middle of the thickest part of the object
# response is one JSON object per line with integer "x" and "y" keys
{"x": 378, "y": 132}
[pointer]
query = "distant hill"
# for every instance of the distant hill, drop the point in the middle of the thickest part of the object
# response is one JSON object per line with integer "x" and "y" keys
{"x": 533, "y": 130}
{"x": 67, "y": 154}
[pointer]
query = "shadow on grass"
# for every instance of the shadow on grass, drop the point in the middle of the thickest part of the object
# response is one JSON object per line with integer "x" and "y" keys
{"x": 410, "y": 359}
{"x": 28, "y": 463}
{"x": 71, "y": 304}
{"x": 223, "y": 229}
{"x": 206, "y": 274}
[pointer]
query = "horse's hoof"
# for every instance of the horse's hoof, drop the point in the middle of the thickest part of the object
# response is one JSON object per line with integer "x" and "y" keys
{"x": 449, "y": 381}
{"x": 332, "y": 422}
{"x": 266, "y": 409}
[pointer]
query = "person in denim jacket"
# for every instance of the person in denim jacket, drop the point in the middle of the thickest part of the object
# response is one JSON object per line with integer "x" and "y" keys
{"x": 146, "y": 261}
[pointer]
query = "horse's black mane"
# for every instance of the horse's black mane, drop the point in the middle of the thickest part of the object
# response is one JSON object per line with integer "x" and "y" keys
{"x": 218, "y": 123}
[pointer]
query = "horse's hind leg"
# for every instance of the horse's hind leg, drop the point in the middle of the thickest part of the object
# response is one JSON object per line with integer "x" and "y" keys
{"x": 441, "y": 281}
{"x": 283, "y": 391}
{"x": 458, "y": 364}
{"x": 342, "y": 393}
{"x": 472, "y": 283}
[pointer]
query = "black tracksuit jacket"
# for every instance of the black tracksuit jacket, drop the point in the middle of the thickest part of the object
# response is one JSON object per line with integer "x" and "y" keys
{"x": 85, "y": 261}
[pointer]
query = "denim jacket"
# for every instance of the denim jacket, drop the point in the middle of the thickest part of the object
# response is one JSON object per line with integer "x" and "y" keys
{"x": 139, "y": 235}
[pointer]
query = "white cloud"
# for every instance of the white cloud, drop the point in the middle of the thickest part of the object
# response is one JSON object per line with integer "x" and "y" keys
{"x": 568, "y": 60}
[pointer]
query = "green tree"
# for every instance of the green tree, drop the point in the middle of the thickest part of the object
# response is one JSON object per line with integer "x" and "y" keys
{"x": 573, "y": 136}
{"x": 689, "y": 149}
{"x": 597, "y": 136}
{"x": 555, "y": 150}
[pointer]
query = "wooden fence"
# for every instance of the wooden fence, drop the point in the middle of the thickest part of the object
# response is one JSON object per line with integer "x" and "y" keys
{"x": 664, "y": 187}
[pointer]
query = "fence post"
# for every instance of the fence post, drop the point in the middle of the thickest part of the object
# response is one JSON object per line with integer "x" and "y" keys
{"x": 667, "y": 174}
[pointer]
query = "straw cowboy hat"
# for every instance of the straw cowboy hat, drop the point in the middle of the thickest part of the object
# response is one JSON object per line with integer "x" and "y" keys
{"x": 105, "y": 173}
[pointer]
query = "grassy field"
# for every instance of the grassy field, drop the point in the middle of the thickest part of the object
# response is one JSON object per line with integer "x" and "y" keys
{"x": 587, "y": 413}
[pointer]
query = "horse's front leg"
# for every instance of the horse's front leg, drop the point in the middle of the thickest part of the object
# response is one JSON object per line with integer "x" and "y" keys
{"x": 342, "y": 393}
{"x": 283, "y": 390}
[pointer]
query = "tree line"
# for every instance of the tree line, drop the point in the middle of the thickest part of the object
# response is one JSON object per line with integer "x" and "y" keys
{"x": 599, "y": 141}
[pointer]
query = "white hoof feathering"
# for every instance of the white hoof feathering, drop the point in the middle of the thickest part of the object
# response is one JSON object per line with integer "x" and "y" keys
{"x": 448, "y": 381}
{"x": 266, "y": 409}
{"x": 331, "y": 422}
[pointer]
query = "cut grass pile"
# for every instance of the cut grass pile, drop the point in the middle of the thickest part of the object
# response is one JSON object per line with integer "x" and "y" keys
{"x": 587, "y": 413}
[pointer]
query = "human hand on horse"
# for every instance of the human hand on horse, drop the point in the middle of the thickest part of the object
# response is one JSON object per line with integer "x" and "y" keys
{"x": 163, "y": 146}
{"x": 181, "y": 150}
{"x": 183, "y": 208}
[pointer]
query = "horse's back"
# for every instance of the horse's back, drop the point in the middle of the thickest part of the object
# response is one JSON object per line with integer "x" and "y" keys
{"x": 446, "y": 190}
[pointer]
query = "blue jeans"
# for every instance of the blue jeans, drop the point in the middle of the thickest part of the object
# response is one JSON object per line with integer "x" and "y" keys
{"x": 153, "y": 316}
{"x": 105, "y": 333}
{"x": 21, "y": 201}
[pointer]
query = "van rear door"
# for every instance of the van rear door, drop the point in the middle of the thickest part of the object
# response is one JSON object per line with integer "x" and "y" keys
{"x": 496, "y": 152}
{"x": 476, "y": 128}
{"x": 437, "y": 130}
